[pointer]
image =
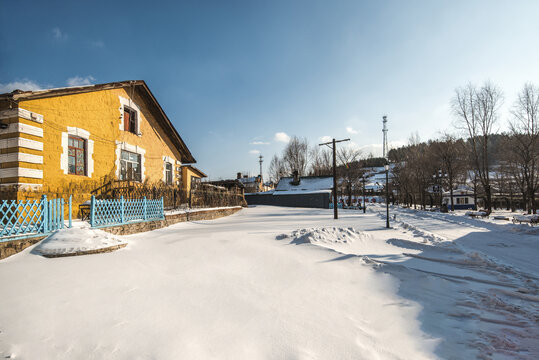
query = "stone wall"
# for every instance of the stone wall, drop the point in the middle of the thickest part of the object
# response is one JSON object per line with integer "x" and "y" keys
{"x": 8, "y": 248}
{"x": 139, "y": 227}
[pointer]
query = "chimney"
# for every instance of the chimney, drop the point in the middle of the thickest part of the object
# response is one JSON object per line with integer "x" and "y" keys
{"x": 239, "y": 175}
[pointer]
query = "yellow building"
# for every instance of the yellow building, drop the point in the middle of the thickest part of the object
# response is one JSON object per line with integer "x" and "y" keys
{"x": 190, "y": 176}
{"x": 73, "y": 140}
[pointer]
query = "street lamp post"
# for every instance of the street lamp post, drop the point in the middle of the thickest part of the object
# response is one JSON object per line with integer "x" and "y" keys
{"x": 387, "y": 195}
{"x": 364, "y": 203}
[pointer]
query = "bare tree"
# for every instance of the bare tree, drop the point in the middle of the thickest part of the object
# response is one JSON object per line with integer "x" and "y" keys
{"x": 477, "y": 112}
{"x": 321, "y": 161}
{"x": 451, "y": 155}
{"x": 276, "y": 169}
{"x": 296, "y": 155}
{"x": 351, "y": 171}
{"x": 524, "y": 139}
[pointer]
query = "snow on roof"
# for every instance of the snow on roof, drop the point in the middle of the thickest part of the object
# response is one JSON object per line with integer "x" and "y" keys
{"x": 307, "y": 183}
{"x": 460, "y": 190}
{"x": 251, "y": 179}
{"x": 296, "y": 192}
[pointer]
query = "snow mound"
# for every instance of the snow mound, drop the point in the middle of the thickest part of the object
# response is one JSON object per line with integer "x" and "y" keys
{"x": 407, "y": 244}
{"x": 76, "y": 240}
{"x": 329, "y": 235}
{"x": 421, "y": 233}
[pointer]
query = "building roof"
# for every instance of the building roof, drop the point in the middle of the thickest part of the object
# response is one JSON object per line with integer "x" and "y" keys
{"x": 249, "y": 180}
{"x": 307, "y": 183}
{"x": 139, "y": 85}
{"x": 228, "y": 183}
{"x": 460, "y": 190}
{"x": 197, "y": 171}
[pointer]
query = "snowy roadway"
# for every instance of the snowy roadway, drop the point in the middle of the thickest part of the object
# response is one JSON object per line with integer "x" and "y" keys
{"x": 283, "y": 283}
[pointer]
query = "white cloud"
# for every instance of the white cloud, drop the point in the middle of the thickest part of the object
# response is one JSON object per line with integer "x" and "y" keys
{"x": 255, "y": 152}
{"x": 259, "y": 143}
{"x": 326, "y": 139}
{"x": 19, "y": 85}
{"x": 80, "y": 81}
{"x": 351, "y": 130}
{"x": 58, "y": 34}
{"x": 281, "y": 137}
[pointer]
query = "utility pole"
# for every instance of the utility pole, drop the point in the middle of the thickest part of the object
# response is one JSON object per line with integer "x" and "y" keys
{"x": 334, "y": 148}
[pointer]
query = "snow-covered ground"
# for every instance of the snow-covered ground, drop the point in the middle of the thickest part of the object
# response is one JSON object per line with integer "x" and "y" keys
{"x": 284, "y": 283}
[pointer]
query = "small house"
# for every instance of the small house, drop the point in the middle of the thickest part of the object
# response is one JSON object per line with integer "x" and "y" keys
{"x": 191, "y": 177}
{"x": 252, "y": 184}
{"x": 296, "y": 191}
{"x": 463, "y": 198}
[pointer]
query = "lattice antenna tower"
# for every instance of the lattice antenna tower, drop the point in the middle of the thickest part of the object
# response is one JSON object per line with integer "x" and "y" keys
{"x": 384, "y": 130}
{"x": 260, "y": 160}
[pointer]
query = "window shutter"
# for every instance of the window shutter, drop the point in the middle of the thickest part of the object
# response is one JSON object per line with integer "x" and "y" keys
{"x": 126, "y": 120}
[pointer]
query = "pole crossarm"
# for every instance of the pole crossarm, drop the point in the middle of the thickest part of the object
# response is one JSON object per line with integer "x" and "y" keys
{"x": 331, "y": 142}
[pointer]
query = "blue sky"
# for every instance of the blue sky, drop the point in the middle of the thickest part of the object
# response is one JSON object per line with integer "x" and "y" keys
{"x": 233, "y": 74}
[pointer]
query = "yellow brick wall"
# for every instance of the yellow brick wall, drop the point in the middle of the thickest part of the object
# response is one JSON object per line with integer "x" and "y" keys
{"x": 186, "y": 178}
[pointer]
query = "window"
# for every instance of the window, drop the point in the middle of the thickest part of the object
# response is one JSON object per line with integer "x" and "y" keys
{"x": 195, "y": 182}
{"x": 130, "y": 120}
{"x": 462, "y": 201}
{"x": 168, "y": 173}
{"x": 76, "y": 156}
{"x": 130, "y": 168}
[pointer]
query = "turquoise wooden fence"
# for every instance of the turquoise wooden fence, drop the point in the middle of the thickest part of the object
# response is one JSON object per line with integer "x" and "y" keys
{"x": 110, "y": 212}
{"x": 27, "y": 218}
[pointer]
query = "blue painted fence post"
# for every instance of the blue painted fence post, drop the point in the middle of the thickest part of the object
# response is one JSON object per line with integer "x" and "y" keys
{"x": 55, "y": 212}
{"x": 70, "y": 208}
{"x": 62, "y": 215}
{"x": 122, "y": 209}
{"x": 145, "y": 207}
{"x": 58, "y": 214}
{"x": 52, "y": 215}
{"x": 162, "y": 208}
{"x": 49, "y": 214}
{"x": 55, "y": 219}
{"x": 92, "y": 211}
{"x": 44, "y": 213}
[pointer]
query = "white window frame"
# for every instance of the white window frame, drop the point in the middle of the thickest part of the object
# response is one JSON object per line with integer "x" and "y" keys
{"x": 168, "y": 160}
{"x": 124, "y": 102}
{"x": 64, "y": 158}
{"x": 134, "y": 149}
